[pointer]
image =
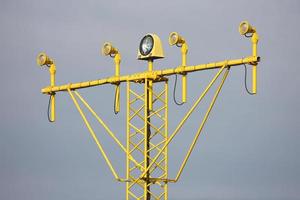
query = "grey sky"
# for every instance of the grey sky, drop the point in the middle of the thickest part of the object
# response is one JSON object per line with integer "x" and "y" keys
{"x": 250, "y": 146}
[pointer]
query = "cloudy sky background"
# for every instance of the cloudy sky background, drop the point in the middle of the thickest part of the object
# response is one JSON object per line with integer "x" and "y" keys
{"x": 249, "y": 149}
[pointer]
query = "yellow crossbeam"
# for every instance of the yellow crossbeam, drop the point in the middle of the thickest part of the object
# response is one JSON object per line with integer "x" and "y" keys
{"x": 153, "y": 75}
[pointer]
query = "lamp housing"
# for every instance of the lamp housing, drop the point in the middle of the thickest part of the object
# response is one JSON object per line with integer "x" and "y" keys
{"x": 176, "y": 39}
{"x": 43, "y": 59}
{"x": 108, "y": 49}
{"x": 150, "y": 48}
{"x": 246, "y": 28}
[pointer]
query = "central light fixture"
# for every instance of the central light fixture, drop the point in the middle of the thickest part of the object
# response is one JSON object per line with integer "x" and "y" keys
{"x": 150, "y": 48}
{"x": 146, "y": 45}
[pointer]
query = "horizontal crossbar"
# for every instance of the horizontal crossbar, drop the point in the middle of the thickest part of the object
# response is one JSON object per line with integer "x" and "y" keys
{"x": 157, "y": 75}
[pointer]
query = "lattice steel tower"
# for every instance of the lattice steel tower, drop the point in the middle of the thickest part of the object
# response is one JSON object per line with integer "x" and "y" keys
{"x": 148, "y": 137}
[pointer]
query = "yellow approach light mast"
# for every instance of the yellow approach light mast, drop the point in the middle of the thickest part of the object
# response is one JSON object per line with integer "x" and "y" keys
{"x": 147, "y": 134}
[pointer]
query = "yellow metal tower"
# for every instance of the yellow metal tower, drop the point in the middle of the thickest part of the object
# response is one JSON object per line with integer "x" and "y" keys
{"x": 148, "y": 137}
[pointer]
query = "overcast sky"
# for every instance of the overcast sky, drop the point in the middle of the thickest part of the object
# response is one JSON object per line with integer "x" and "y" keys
{"x": 250, "y": 147}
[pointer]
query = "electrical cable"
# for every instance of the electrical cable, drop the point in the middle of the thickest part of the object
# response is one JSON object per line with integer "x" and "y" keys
{"x": 174, "y": 93}
{"x": 246, "y": 87}
{"x": 48, "y": 110}
{"x": 116, "y": 112}
{"x": 248, "y": 36}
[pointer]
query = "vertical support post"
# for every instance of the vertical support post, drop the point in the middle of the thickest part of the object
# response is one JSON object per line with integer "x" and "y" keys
{"x": 117, "y": 60}
{"x": 127, "y": 138}
{"x": 144, "y": 142}
{"x": 184, "y": 50}
{"x": 254, "y": 41}
{"x": 147, "y": 132}
{"x": 52, "y": 70}
{"x": 166, "y": 139}
{"x": 150, "y": 96}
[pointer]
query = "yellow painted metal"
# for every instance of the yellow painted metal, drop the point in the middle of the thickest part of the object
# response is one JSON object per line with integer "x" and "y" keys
{"x": 254, "y": 40}
{"x": 147, "y": 134}
{"x": 202, "y": 125}
{"x": 147, "y": 108}
{"x": 43, "y": 59}
{"x": 246, "y": 28}
{"x": 100, "y": 121}
{"x": 176, "y": 39}
{"x": 156, "y": 75}
{"x": 156, "y": 52}
{"x": 150, "y": 69}
{"x": 146, "y": 142}
{"x": 94, "y": 136}
{"x": 111, "y": 134}
{"x": 117, "y": 60}
{"x": 183, "y": 121}
{"x": 127, "y": 138}
{"x": 166, "y": 139}
{"x": 109, "y": 50}
{"x": 184, "y": 51}
{"x": 52, "y": 70}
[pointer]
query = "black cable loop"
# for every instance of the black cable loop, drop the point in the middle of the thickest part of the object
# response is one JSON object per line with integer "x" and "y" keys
{"x": 174, "y": 93}
{"x": 112, "y": 55}
{"x": 248, "y": 36}
{"x": 116, "y": 112}
{"x": 48, "y": 110}
{"x": 246, "y": 87}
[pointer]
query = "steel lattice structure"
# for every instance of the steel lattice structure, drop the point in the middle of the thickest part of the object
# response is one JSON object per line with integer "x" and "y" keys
{"x": 147, "y": 134}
